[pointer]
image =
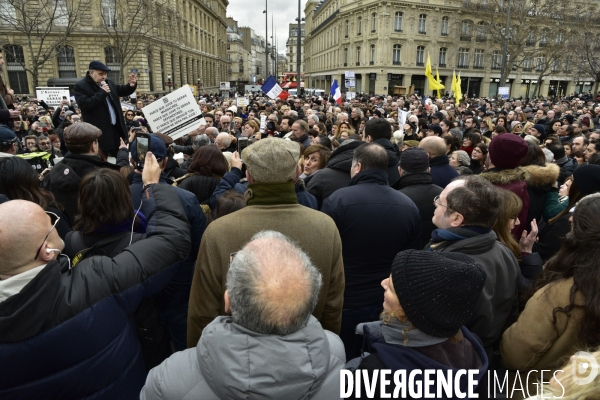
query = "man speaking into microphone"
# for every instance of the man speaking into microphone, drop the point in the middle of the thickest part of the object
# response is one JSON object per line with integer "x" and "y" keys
{"x": 98, "y": 99}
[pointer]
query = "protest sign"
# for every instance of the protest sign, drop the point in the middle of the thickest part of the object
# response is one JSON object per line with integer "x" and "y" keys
{"x": 263, "y": 123}
{"x": 242, "y": 101}
{"x": 175, "y": 114}
{"x": 52, "y": 95}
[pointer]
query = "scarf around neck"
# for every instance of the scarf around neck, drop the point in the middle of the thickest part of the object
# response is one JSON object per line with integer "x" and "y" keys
{"x": 393, "y": 333}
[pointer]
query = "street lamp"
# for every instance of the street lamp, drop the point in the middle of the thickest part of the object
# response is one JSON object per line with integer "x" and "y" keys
{"x": 507, "y": 34}
{"x": 169, "y": 83}
{"x": 266, "y": 39}
{"x": 198, "y": 84}
{"x": 299, "y": 50}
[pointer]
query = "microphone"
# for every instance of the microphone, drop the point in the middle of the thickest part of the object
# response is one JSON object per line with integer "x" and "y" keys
{"x": 102, "y": 83}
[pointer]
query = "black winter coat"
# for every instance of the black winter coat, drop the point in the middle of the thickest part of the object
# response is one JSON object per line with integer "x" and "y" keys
{"x": 63, "y": 180}
{"x": 202, "y": 186}
{"x": 94, "y": 109}
{"x": 420, "y": 189}
{"x": 375, "y": 223}
{"x": 393, "y": 160}
{"x": 441, "y": 171}
{"x": 335, "y": 175}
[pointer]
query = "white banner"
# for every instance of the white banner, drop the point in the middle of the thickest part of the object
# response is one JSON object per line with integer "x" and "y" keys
{"x": 225, "y": 85}
{"x": 350, "y": 95}
{"x": 350, "y": 83}
{"x": 349, "y": 75}
{"x": 175, "y": 114}
{"x": 402, "y": 117}
{"x": 242, "y": 101}
{"x": 52, "y": 95}
{"x": 263, "y": 123}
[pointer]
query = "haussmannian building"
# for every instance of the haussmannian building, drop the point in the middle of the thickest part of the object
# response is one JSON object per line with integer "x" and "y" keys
{"x": 185, "y": 44}
{"x": 385, "y": 44}
{"x": 292, "y": 48}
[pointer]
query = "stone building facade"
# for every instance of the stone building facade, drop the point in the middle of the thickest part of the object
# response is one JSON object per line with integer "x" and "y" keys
{"x": 240, "y": 58}
{"x": 386, "y": 43}
{"x": 184, "y": 42}
{"x": 292, "y": 48}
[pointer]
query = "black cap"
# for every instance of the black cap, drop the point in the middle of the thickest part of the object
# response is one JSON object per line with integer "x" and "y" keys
{"x": 97, "y": 65}
{"x": 414, "y": 159}
{"x": 439, "y": 292}
{"x": 7, "y": 136}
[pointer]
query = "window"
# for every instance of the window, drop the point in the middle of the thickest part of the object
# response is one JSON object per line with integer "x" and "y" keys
{"x": 398, "y": 22}
{"x": 556, "y": 65}
{"x": 544, "y": 38}
{"x": 345, "y": 57}
{"x": 442, "y": 57}
{"x": 61, "y": 14}
{"x": 445, "y": 22}
{"x": 15, "y": 61}
{"x": 359, "y": 30}
{"x": 560, "y": 37}
{"x": 496, "y": 60}
{"x": 113, "y": 61}
{"x": 66, "y": 62}
{"x": 422, "y": 23}
{"x": 358, "y": 55}
{"x": 539, "y": 67}
{"x": 465, "y": 30}
{"x": 109, "y": 12}
{"x": 530, "y": 41}
{"x": 527, "y": 64}
{"x": 463, "y": 58}
{"x": 481, "y": 34}
{"x": 372, "y": 54}
{"x": 420, "y": 56}
{"x": 347, "y": 28}
{"x": 374, "y": 22}
{"x": 396, "y": 54}
{"x": 478, "y": 59}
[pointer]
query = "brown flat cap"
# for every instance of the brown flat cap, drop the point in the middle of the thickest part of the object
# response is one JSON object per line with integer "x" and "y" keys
{"x": 81, "y": 133}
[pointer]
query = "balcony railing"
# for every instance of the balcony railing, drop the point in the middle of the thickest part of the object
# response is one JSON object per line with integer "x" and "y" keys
{"x": 543, "y": 44}
{"x": 480, "y": 38}
{"x": 527, "y": 69}
{"x": 420, "y": 64}
{"x": 444, "y": 33}
{"x": 371, "y": 62}
{"x": 358, "y": 63}
{"x": 465, "y": 38}
{"x": 496, "y": 67}
{"x": 397, "y": 63}
{"x": 462, "y": 66}
{"x": 345, "y": 64}
{"x": 477, "y": 66}
{"x": 397, "y": 30}
{"x": 422, "y": 33}
{"x": 530, "y": 43}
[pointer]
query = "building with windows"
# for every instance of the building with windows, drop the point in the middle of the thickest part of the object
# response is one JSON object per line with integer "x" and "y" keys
{"x": 292, "y": 48}
{"x": 256, "y": 45}
{"x": 240, "y": 58}
{"x": 169, "y": 44}
{"x": 386, "y": 44}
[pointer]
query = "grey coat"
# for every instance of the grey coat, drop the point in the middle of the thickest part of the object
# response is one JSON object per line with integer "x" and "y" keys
{"x": 231, "y": 362}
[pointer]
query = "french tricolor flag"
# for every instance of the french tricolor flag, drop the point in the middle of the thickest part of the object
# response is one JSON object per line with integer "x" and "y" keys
{"x": 273, "y": 90}
{"x": 335, "y": 92}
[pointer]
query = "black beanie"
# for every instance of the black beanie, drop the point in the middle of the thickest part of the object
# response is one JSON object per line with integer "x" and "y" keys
{"x": 439, "y": 292}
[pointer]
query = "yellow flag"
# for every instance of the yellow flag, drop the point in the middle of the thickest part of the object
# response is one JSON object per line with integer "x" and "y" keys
{"x": 437, "y": 78}
{"x": 458, "y": 90}
{"x": 433, "y": 84}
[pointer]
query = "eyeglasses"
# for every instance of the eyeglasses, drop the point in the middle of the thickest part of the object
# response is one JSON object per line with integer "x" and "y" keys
{"x": 54, "y": 219}
{"x": 436, "y": 202}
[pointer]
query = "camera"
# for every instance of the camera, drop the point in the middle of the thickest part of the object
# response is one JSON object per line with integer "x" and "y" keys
{"x": 142, "y": 147}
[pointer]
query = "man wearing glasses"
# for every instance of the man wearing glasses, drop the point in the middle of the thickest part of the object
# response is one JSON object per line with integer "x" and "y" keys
{"x": 74, "y": 325}
{"x": 464, "y": 214}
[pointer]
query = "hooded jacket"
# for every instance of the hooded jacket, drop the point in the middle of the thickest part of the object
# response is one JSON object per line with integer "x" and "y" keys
{"x": 393, "y": 159}
{"x": 231, "y": 362}
{"x": 336, "y": 173}
{"x": 443, "y": 356}
{"x": 68, "y": 334}
{"x": 539, "y": 183}
{"x": 514, "y": 180}
{"x": 63, "y": 180}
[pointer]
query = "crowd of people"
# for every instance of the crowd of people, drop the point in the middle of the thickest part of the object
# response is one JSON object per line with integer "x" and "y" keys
{"x": 384, "y": 232}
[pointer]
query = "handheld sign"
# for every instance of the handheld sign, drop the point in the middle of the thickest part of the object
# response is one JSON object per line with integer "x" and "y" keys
{"x": 175, "y": 114}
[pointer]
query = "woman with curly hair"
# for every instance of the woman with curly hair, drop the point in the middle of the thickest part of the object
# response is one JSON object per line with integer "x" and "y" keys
{"x": 563, "y": 315}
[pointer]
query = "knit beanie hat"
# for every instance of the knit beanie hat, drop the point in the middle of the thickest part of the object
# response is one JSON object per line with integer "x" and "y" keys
{"x": 587, "y": 178}
{"x": 439, "y": 292}
{"x": 513, "y": 124}
{"x": 541, "y": 129}
{"x": 507, "y": 151}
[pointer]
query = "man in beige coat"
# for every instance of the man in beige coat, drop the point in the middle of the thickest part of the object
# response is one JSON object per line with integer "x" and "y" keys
{"x": 272, "y": 205}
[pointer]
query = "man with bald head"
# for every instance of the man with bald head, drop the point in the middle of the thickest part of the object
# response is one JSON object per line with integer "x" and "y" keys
{"x": 272, "y": 289}
{"x": 212, "y": 133}
{"x": 71, "y": 323}
{"x": 441, "y": 170}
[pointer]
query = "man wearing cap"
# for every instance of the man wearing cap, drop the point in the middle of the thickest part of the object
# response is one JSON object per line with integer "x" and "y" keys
{"x": 172, "y": 302}
{"x": 375, "y": 223}
{"x": 272, "y": 204}
{"x": 63, "y": 180}
{"x": 98, "y": 99}
{"x": 8, "y": 142}
{"x": 416, "y": 182}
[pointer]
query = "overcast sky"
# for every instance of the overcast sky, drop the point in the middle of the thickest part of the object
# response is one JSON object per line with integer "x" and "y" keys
{"x": 250, "y": 13}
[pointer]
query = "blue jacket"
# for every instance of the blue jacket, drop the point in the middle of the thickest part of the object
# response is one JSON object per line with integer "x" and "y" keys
{"x": 178, "y": 290}
{"x": 441, "y": 171}
{"x": 375, "y": 223}
{"x": 69, "y": 333}
{"x": 231, "y": 181}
